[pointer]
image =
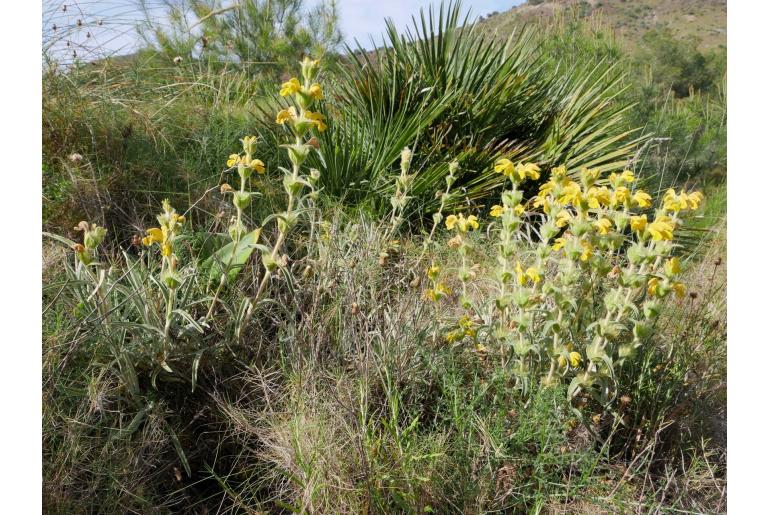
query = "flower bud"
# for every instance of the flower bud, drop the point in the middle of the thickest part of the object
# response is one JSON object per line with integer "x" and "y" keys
{"x": 406, "y": 159}
{"x": 241, "y": 199}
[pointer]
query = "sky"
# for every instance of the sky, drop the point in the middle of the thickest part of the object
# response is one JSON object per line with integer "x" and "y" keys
{"x": 361, "y": 18}
{"x": 87, "y": 29}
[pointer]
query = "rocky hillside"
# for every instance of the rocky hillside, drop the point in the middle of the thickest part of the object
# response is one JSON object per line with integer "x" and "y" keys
{"x": 704, "y": 20}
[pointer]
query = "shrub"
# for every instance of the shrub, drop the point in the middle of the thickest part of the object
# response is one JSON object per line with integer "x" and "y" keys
{"x": 445, "y": 89}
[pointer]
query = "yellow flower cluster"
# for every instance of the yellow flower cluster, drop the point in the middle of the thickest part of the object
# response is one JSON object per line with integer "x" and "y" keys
{"x": 462, "y": 223}
{"x": 170, "y": 226}
{"x": 305, "y": 94}
{"x": 519, "y": 172}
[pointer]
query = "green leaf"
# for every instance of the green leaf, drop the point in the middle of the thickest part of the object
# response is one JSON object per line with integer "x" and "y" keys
{"x": 231, "y": 258}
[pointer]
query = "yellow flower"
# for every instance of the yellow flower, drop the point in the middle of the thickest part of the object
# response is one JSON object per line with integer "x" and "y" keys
{"x": 233, "y": 160}
{"x": 533, "y": 274}
{"x": 528, "y": 171}
{"x": 559, "y": 243}
{"x": 520, "y": 277}
{"x": 679, "y": 289}
{"x": 286, "y": 115}
{"x": 627, "y": 176}
{"x": 662, "y": 228}
{"x": 575, "y": 358}
{"x": 642, "y": 199}
{"x": 462, "y": 223}
{"x": 543, "y": 202}
{"x": 559, "y": 172}
{"x": 154, "y": 235}
{"x": 588, "y": 250}
{"x": 694, "y": 199}
{"x": 589, "y": 176}
{"x": 598, "y": 197}
{"x": 316, "y": 92}
{"x": 496, "y": 211}
{"x": 571, "y": 194}
{"x": 621, "y": 195}
{"x": 433, "y": 272}
{"x": 674, "y": 202}
{"x": 518, "y": 209}
{"x": 562, "y": 218}
{"x": 652, "y": 285}
{"x": 505, "y": 167}
{"x": 317, "y": 119}
{"x": 165, "y": 249}
{"x": 290, "y": 87}
{"x": 257, "y": 165}
{"x": 603, "y": 225}
{"x": 672, "y": 266}
{"x": 638, "y": 223}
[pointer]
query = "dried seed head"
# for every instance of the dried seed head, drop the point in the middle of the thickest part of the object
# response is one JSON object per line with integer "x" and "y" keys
{"x": 177, "y": 59}
{"x": 354, "y": 308}
{"x": 225, "y": 188}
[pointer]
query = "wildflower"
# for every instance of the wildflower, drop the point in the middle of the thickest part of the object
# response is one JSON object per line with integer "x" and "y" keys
{"x": 154, "y": 235}
{"x": 559, "y": 243}
{"x": 598, "y": 197}
{"x": 562, "y": 218}
{"x": 662, "y": 228}
{"x": 433, "y": 272}
{"x": 638, "y": 223}
{"x": 603, "y": 225}
{"x": 517, "y": 172}
{"x": 559, "y": 172}
{"x": 317, "y": 119}
{"x": 257, "y": 165}
{"x": 518, "y": 209}
{"x": 233, "y": 160}
{"x": 642, "y": 199}
{"x": 505, "y": 167}
{"x": 496, "y": 211}
{"x": 290, "y": 87}
{"x": 533, "y": 274}
{"x": 462, "y": 223}
{"x": 588, "y": 250}
{"x": 521, "y": 278}
{"x": 620, "y": 196}
{"x": 528, "y": 171}
{"x": 575, "y": 358}
{"x": 571, "y": 194}
{"x": 679, "y": 289}
{"x": 286, "y": 115}
{"x": 249, "y": 144}
{"x": 315, "y": 92}
{"x": 674, "y": 202}
{"x": 672, "y": 267}
{"x": 588, "y": 176}
{"x": 652, "y": 285}
{"x": 627, "y": 176}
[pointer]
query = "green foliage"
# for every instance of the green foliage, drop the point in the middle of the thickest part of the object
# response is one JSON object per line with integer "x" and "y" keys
{"x": 448, "y": 91}
{"x": 265, "y": 36}
{"x": 679, "y": 66}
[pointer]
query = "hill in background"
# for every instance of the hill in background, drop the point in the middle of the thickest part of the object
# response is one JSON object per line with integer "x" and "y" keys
{"x": 705, "y": 21}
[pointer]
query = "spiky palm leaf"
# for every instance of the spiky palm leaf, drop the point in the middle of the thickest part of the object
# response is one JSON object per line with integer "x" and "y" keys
{"x": 450, "y": 92}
